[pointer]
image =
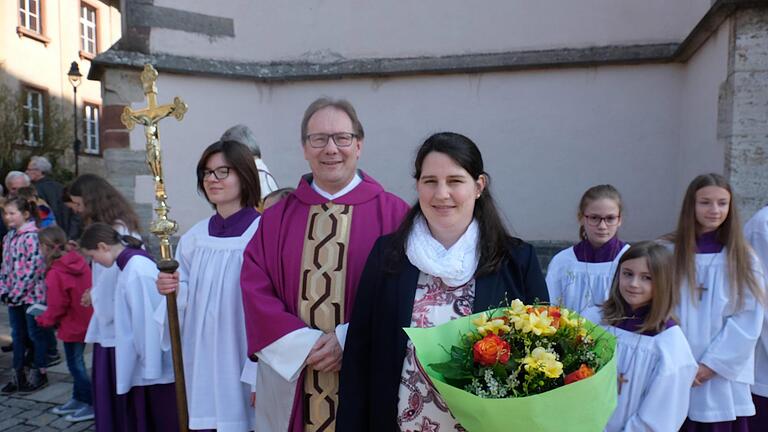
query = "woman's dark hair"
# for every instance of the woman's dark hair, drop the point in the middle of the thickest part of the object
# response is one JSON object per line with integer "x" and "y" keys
{"x": 103, "y": 203}
{"x": 25, "y": 205}
{"x": 494, "y": 237}
{"x": 100, "y": 232}
{"x": 240, "y": 160}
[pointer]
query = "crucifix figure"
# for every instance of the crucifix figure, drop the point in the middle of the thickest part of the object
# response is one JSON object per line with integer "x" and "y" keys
{"x": 622, "y": 380}
{"x": 701, "y": 288}
{"x": 162, "y": 227}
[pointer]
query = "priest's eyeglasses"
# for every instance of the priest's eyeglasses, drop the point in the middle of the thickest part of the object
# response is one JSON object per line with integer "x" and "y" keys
{"x": 595, "y": 220}
{"x": 320, "y": 140}
{"x": 219, "y": 173}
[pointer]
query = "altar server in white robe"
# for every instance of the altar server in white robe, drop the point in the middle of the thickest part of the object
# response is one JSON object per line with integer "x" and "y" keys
{"x": 95, "y": 200}
{"x": 654, "y": 362}
{"x": 756, "y": 232}
{"x": 144, "y": 369}
{"x": 209, "y": 298}
{"x": 580, "y": 277}
{"x": 721, "y": 287}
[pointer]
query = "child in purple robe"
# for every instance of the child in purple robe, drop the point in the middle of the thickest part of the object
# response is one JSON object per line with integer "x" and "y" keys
{"x": 96, "y": 200}
{"x": 580, "y": 277}
{"x": 654, "y": 362}
{"x": 720, "y": 282}
{"x": 756, "y": 232}
{"x": 144, "y": 371}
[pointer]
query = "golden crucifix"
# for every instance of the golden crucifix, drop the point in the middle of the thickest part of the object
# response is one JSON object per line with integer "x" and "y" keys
{"x": 162, "y": 227}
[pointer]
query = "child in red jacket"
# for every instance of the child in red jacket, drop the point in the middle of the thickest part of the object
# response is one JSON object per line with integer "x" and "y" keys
{"x": 67, "y": 278}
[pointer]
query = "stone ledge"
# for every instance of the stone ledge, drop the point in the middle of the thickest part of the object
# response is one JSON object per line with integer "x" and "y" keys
{"x": 468, "y": 63}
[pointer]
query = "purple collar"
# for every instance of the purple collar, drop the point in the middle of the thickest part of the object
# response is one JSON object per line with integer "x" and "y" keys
{"x": 128, "y": 253}
{"x": 708, "y": 243}
{"x": 635, "y": 322}
{"x": 608, "y": 252}
{"x": 367, "y": 190}
{"x": 234, "y": 225}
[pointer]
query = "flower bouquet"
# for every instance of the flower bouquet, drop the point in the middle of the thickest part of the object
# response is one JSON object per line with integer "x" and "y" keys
{"x": 528, "y": 368}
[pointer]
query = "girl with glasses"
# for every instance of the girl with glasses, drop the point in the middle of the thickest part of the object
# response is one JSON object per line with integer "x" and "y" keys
{"x": 580, "y": 276}
{"x": 208, "y": 295}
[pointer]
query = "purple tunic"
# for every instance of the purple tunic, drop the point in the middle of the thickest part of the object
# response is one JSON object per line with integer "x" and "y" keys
{"x": 635, "y": 322}
{"x": 142, "y": 409}
{"x": 759, "y": 421}
{"x": 608, "y": 252}
{"x": 272, "y": 261}
{"x": 128, "y": 253}
{"x": 232, "y": 226}
{"x": 708, "y": 243}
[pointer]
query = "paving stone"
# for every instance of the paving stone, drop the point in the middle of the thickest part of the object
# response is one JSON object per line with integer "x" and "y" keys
{"x": 60, "y": 423}
{"x": 42, "y": 419}
{"x": 9, "y": 423}
{"x": 21, "y": 428}
{"x": 81, "y": 426}
{"x": 56, "y": 393}
{"x": 9, "y": 412}
{"x": 20, "y": 403}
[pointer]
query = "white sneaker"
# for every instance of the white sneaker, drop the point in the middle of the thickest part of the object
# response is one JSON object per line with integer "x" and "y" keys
{"x": 70, "y": 406}
{"x": 83, "y": 414}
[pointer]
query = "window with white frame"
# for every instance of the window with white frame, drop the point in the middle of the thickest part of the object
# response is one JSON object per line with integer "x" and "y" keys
{"x": 87, "y": 28}
{"x": 29, "y": 15}
{"x": 34, "y": 108}
{"x": 91, "y": 128}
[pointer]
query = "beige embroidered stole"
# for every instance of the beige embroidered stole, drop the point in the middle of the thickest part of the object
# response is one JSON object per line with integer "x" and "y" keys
{"x": 321, "y": 302}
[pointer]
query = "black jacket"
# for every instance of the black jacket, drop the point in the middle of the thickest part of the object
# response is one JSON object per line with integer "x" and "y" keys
{"x": 50, "y": 190}
{"x": 375, "y": 345}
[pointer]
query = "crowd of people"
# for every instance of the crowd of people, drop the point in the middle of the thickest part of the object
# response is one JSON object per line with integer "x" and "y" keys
{"x": 291, "y": 302}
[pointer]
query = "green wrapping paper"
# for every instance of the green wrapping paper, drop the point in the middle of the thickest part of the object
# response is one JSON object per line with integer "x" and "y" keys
{"x": 583, "y": 406}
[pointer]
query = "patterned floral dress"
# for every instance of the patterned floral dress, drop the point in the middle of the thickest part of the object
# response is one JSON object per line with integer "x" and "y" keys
{"x": 420, "y": 407}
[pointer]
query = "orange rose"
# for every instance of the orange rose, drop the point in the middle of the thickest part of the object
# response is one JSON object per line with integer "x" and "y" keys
{"x": 490, "y": 350}
{"x": 582, "y": 372}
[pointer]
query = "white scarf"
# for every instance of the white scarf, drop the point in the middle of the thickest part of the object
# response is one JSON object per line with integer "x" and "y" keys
{"x": 456, "y": 265}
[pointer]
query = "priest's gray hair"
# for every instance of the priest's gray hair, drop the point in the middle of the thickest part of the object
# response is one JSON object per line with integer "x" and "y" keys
{"x": 42, "y": 163}
{"x": 244, "y": 135}
{"x": 16, "y": 174}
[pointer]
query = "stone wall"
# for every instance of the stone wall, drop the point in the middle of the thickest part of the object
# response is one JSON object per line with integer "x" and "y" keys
{"x": 743, "y": 119}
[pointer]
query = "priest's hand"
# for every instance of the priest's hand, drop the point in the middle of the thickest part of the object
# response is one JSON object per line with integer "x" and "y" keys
{"x": 167, "y": 283}
{"x": 325, "y": 356}
{"x": 703, "y": 375}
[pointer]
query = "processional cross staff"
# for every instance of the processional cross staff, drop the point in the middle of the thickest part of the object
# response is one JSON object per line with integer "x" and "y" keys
{"x": 162, "y": 227}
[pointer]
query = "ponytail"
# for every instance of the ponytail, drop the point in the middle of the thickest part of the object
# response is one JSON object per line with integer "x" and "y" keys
{"x": 100, "y": 232}
{"x": 55, "y": 240}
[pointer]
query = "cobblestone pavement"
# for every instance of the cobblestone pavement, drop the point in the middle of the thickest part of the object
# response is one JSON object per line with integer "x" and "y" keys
{"x": 32, "y": 412}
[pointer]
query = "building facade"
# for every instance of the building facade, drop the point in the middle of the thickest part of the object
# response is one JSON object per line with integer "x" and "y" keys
{"x": 558, "y": 95}
{"x": 40, "y": 40}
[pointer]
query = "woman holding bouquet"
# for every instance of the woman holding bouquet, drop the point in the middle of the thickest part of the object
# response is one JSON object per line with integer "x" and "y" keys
{"x": 451, "y": 257}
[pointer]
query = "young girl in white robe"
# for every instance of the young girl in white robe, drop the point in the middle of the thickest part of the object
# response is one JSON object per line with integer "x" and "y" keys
{"x": 756, "y": 233}
{"x": 580, "y": 277}
{"x": 721, "y": 289}
{"x": 144, "y": 370}
{"x": 96, "y": 200}
{"x": 655, "y": 364}
{"x": 209, "y": 298}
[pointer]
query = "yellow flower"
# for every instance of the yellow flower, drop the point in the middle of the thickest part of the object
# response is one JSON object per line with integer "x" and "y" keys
{"x": 494, "y": 326}
{"x": 542, "y": 360}
{"x": 516, "y": 308}
{"x": 538, "y": 324}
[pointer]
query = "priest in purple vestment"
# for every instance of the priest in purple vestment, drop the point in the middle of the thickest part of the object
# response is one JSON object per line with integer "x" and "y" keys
{"x": 301, "y": 270}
